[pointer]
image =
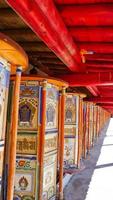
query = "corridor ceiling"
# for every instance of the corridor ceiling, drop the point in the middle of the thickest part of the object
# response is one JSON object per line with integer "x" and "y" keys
{"x": 79, "y": 32}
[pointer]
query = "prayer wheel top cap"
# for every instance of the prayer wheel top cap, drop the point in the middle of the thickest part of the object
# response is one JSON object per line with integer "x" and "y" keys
{"x": 82, "y": 95}
{"x": 13, "y": 53}
{"x": 58, "y": 82}
{"x": 77, "y": 94}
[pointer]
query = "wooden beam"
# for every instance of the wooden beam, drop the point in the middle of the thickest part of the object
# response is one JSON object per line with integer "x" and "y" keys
{"x": 22, "y": 35}
{"x": 3, "y": 4}
{"x": 47, "y": 60}
{"x": 43, "y": 68}
{"x": 34, "y": 46}
{"x": 9, "y": 19}
{"x": 38, "y": 54}
{"x": 57, "y": 66}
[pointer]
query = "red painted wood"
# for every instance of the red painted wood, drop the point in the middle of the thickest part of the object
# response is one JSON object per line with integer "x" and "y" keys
{"x": 89, "y": 79}
{"x": 82, "y": 1}
{"x": 99, "y": 57}
{"x": 92, "y": 34}
{"x": 106, "y": 48}
{"x": 54, "y": 18}
{"x": 100, "y": 99}
{"x": 94, "y": 90}
{"x": 92, "y": 15}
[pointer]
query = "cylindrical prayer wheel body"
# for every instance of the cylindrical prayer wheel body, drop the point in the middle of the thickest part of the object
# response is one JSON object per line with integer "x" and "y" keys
{"x": 37, "y": 138}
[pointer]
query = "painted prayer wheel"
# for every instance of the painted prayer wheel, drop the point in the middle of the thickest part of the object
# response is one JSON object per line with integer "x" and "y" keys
{"x": 73, "y": 130}
{"x": 11, "y": 57}
{"x": 37, "y": 139}
{"x": 4, "y": 85}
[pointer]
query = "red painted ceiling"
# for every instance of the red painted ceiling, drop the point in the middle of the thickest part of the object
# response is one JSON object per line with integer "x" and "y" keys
{"x": 80, "y": 32}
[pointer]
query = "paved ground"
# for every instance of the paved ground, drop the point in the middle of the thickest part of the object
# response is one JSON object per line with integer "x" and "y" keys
{"x": 95, "y": 182}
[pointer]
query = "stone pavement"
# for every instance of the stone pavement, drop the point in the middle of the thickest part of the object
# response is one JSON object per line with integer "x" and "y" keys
{"x": 95, "y": 181}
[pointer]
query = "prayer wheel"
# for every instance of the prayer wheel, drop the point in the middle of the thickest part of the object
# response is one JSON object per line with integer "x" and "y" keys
{"x": 12, "y": 57}
{"x": 73, "y": 130}
{"x": 38, "y": 135}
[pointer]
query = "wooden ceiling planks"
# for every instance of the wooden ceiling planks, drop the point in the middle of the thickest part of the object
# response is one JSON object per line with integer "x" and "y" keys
{"x": 13, "y": 26}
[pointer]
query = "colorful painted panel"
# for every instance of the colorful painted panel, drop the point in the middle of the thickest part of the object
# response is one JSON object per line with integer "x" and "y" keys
{"x": 25, "y": 162}
{"x": 49, "y": 177}
{"x": 69, "y": 151}
{"x": 25, "y": 178}
{"x": 4, "y": 84}
{"x": 70, "y": 109}
{"x": 28, "y": 106}
{"x": 27, "y": 143}
{"x": 52, "y": 108}
{"x": 70, "y": 130}
{"x": 25, "y": 184}
{"x": 51, "y": 142}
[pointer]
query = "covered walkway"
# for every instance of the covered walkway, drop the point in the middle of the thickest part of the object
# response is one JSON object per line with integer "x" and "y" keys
{"x": 95, "y": 182}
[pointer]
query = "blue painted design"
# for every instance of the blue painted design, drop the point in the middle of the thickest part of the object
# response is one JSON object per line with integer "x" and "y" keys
{"x": 70, "y": 136}
{"x": 51, "y": 131}
{"x": 26, "y": 157}
{"x": 27, "y": 90}
{"x": 25, "y": 113}
{"x": 52, "y": 93}
{"x": 16, "y": 198}
{"x": 4, "y": 76}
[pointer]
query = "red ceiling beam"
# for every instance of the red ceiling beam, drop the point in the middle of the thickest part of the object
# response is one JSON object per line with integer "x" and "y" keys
{"x": 82, "y": 1}
{"x": 89, "y": 79}
{"x": 94, "y": 91}
{"x": 33, "y": 15}
{"x": 50, "y": 11}
{"x": 100, "y": 99}
{"x": 99, "y": 70}
{"x": 105, "y": 104}
{"x": 92, "y": 34}
{"x": 92, "y": 15}
{"x": 97, "y": 64}
{"x": 99, "y": 57}
{"x": 101, "y": 48}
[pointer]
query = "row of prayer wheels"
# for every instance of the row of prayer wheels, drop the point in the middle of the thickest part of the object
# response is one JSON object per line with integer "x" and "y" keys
{"x": 43, "y": 130}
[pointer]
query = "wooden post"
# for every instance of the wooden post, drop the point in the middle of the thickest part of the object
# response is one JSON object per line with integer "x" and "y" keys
{"x": 85, "y": 134}
{"x": 13, "y": 136}
{"x": 88, "y": 127}
{"x": 59, "y": 128}
{"x": 61, "y": 158}
{"x": 79, "y": 133}
{"x": 42, "y": 139}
